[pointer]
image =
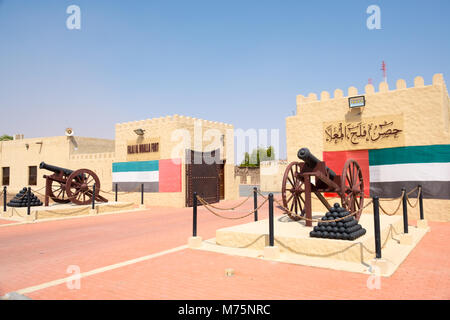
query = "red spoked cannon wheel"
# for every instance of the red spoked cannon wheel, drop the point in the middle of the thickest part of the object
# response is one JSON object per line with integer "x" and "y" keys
{"x": 80, "y": 184}
{"x": 293, "y": 190}
{"x": 352, "y": 187}
{"x": 57, "y": 192}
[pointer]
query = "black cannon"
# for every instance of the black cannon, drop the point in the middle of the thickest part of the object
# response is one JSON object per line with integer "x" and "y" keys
{"x": 297, "y": 185}
{"x": 55, "y": 169}
{"x": 66, "y": 185}
{"x": 306, "y": 155}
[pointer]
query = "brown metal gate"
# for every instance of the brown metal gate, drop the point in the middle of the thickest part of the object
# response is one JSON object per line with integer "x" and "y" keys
{"x": 202, "y": 177}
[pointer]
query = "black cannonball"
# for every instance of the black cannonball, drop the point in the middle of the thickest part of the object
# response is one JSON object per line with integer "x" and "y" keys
{"x": 335, "y": 229}
{"x": 331, "y": 218}
{"x": 329, "y": 228}
{"x": 323, "y": 228}
{"x": 324, "y": 218}
{"x": 335, "y": 215}
{"x": 332, "y": 235}
{"x": 324, "y": 234}
{"x": 329, "y": 214}
{"x": 338, "y": 235}
{"x": 316, "y": 228}
{"x": 319, "y": 234}
{"x": 336, "y": 205}
{"x": 341, "y": 209}
{"x": 312, "y": 234}
{"x": 339, "y": 224}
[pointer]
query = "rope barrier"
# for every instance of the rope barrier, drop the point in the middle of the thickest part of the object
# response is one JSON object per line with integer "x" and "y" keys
{"x": 417, "y": 200}
{"x": 65, "y": 212}
{"x": 206, "y": 205}
{"x": 231, "y": 208}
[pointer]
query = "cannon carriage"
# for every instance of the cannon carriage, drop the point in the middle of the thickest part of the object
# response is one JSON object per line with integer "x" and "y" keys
{"x": 301, "y": 179}
{"x": 66, "y": 185}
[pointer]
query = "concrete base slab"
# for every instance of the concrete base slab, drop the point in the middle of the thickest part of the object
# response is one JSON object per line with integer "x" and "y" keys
{"x": 324, "y": 253}
{"x": 406, "y": 239}
{"x": 64, "y": 210}
{"x": 293, "y": 237}
{"x": 272, "y": 253}
{"x": 195, "y": 242}
{"x": 422, "y": 224}
{"x": 379, "y": 266}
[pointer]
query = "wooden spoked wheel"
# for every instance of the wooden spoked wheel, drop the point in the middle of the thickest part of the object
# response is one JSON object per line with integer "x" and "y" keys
{"x": 293, "y": 190}
{"x": 58, "y": 192}
{"x": 80, "y": 184}
{"x": 352, "y": 187}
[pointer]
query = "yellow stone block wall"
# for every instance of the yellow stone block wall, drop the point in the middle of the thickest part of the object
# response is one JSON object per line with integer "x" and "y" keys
{"x": 56, "y": 151}
{"x": 271, "y": 175}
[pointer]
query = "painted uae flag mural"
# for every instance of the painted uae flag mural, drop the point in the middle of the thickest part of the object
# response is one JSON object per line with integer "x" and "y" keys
{"x": 387, "y": 171}
{"x": 156, "y": 175}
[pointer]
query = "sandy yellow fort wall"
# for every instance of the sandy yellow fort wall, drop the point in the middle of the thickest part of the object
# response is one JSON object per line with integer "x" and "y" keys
{"x": 19, "y": 154}
{"x": 425, "y": 110}
{"x": 426, "y": 116}
{"x": 169, "y": 131}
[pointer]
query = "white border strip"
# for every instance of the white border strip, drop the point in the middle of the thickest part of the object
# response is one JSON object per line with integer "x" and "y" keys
{"x": 99, "y": 270}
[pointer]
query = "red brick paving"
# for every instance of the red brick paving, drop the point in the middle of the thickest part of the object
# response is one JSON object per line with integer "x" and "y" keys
{"x": 191, "y": 274}
{"x": 3, "y": 221}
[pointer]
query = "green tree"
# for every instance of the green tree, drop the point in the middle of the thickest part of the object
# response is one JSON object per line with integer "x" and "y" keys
{"x": 259, "y": 154}
{"x": 5, "y": 137}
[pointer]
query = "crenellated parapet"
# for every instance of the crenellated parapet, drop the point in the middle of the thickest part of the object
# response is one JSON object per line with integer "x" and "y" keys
{"x": 369, "y": 89}
{"x": 172, "y": 120}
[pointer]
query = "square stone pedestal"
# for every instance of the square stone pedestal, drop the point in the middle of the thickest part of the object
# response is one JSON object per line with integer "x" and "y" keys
{"x": 406, "y": 239}
{"x": 380, "y": 264}
{"x": 271, "y": 252}
{"x": 422, "y": 224}
{"x": 194, "y": 242}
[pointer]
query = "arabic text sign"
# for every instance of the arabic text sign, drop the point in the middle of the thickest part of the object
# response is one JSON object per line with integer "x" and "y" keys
{"x": 370, "y": 133}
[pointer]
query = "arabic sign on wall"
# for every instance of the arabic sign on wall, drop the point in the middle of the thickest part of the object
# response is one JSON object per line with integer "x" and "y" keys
{"x": 143, "y": 149}
{"x": 369, "y": 133}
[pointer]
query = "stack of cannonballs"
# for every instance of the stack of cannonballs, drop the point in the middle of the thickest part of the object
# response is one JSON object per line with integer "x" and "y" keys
{"x": 21, "y": 200}
{"x": 345, "y": 229}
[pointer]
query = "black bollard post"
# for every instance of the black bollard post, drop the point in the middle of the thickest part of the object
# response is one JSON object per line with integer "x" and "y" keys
{"x": 142, "y": 194}
{"x": 93, "y": 196}
{"x": 405, "y": 211}
{"x": 255, "y": 202}
{"x": 271, "y": 240}
{"x": 421, "y": 202}
{"x": 194, "y": 215}
{"x": 376, "y": 224}
{"x": 116, "y": 191}
{"x": 28, "y": 201}
{"x": 4, "y": 198}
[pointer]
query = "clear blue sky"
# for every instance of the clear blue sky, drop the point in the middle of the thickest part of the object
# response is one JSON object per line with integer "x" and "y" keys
{"x": 241, "y": 62}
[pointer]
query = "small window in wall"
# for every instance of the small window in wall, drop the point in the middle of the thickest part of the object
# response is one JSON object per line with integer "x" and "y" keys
{"x": 32, "y": 175}
{"x": 5, "y": 176}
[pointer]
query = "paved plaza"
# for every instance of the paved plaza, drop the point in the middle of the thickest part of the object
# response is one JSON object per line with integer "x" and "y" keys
{"x": 143, "y": 255}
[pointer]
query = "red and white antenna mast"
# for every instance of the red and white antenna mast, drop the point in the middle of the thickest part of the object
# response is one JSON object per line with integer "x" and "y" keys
{"x": 383, "y": 67}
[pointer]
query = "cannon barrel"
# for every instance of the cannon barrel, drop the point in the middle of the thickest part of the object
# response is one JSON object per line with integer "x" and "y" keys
{"x": 306, "y": 155}
{"x": 55, "y": 169}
